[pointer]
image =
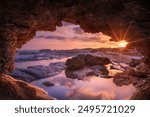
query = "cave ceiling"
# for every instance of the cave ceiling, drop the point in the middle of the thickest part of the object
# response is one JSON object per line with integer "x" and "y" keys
{"x": 120, "y": 19}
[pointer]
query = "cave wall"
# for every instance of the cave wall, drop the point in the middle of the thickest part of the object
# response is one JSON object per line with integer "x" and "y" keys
{"x": 20, "y": 19}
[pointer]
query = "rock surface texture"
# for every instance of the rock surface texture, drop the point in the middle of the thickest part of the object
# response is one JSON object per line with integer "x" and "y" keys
{"x": 20, "y": 19}
{"x": 17, "y": 89}
{"x": 82, "y": 60}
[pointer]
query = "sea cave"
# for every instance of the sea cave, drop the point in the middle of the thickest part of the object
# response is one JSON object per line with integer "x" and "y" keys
{"x": 125, "y": 22}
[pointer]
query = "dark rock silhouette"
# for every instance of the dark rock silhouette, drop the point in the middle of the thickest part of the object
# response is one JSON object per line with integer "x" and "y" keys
{"x": 135, "y": 73}
{"x": 134, "y": 62}
{"x": 129, "y": 76}
{"x": 143, "y": 91}
{"x": 94, "y": 63}
{"x": 20, "y": 19}
{"x": 82, "y": 60}
{"x": 71, "y": 74}
{"x": 76, "y": 63}
{"x": 48, "y": 84}
{"x": 95, "y": 60}
{"x": 121, "y": 79}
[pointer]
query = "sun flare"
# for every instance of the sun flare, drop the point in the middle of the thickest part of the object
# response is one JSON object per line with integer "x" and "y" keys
{"x": 122, "y": 44}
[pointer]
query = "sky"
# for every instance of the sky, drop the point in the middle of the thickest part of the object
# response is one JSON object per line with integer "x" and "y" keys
{"x": 68, "y": 36}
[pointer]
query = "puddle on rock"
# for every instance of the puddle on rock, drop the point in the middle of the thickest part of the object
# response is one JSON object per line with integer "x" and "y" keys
{"x": 91, "y": 88}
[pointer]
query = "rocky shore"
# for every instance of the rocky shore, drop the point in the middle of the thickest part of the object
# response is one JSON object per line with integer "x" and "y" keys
{"x": 131, "y": 70}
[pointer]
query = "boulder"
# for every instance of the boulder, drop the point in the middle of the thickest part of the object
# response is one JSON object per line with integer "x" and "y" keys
{"x": 71, "y": 74}
{"x": 82, "y": 60}
{"x": 134, "y": 62}
{"x": 92, "y": 73}
{"x": 75, "y": 63}
{"x": 13, "y": 89}
{"x": 95, "y": 60}
{"x": 48, "y": 84}
{"x": 135, "y": 73}
{"x": 86, "y": 71}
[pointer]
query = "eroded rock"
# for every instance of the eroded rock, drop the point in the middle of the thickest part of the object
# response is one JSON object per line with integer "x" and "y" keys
{"x": 20, "y": 20}
{"x": 135, "y": 73}
{"x": 143, "y": 91}
{"x": 75, "y": 63}
{"x": 82, "y": 60}
{"x": 87, "y": 71}
{"x": 38, "y": 72}
{"x": 13, "y": 89}
{"x": 121, "y": 79}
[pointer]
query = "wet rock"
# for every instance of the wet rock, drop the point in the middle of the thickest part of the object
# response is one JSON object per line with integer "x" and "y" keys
{"x": 92, "y": 73}
{"x": 13, "y": 89}
{"x": 135, "y": 73}
{"x": 143, "y": 68}
{"x": 86, "y": 71}
{"x": 48, "y": 84}
{"x": 104, "y": 72}
{"x": 81, "y": 60}
{"x": 125, "y": 79}
{"x": 21, "y": 75}
{"x": 95, "y": 60}
{"x": 71, "y": 74}
{"x": 117, "y": 67}
{"x": 129, "y": 76}
{"x": 106, "y": 76}
{"x": 75, "y": 63}
{"x": 134, "y": 62}
{"x": 38, "y": 72}
{"x": 100, "y": 69}
{"x": 41, "y": 71}
{"x": 143, "y": 90}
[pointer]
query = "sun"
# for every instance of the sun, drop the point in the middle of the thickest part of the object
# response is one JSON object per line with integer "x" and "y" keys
{"x": 122, "y": 44}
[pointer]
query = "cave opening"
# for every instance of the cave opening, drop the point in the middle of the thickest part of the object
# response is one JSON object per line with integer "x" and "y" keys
{"x": 20, "y": 20}
{"x": 71, "y": 36}
{"x": 42, "y": 62}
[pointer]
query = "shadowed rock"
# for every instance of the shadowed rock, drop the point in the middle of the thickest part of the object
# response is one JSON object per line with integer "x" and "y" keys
{"x": 76, "y": 63}
{"x": 135, "y": 73}
{"x": 18, "y": 90}
{"x": 134, "y": 62}
{"x": 143, "y": 91}
{"x": 20, "y": 19}
{"x": 81, "y": 60}
{"x": 48, "y": 84}
{"x": 38, "y": 72}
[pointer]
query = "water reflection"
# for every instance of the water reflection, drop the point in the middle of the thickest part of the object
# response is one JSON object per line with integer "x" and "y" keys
{"x": 90, "y": 88}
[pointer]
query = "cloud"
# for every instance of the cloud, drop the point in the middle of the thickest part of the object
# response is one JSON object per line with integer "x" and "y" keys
{"x": 69, "y": 32}
{"x": 50, "y": 37}
{"x": 78, "y": 30}
{"x": 89, "y": 94}
{"x": 66, "y": 23}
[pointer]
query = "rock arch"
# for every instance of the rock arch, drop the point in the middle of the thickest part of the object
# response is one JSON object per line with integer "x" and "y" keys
{"x": 20, "y": 19}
